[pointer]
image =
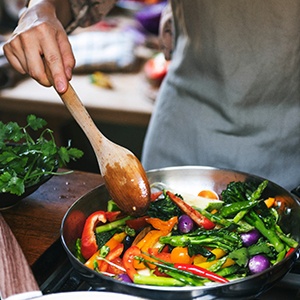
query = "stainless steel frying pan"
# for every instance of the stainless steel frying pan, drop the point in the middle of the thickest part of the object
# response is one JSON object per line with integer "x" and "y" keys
{"x": 190, "y": 179}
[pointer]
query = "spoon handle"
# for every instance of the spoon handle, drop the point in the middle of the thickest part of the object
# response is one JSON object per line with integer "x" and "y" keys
{"x": 84, "y": 120}
{"x": 82, "y": 117}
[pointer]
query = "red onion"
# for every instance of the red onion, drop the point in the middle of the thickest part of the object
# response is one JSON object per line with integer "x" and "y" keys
{"x": 251, "y": 237}
{"x": 258, "y": 263}
{"x": 185, "y": 224}
{"x": 124, "y": 278}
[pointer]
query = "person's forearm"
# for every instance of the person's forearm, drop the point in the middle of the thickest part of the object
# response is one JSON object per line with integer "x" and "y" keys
{"x": 62, "y": 9}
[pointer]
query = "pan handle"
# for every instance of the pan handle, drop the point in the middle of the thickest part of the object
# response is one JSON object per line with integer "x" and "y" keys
{"x": 16, "y": 278}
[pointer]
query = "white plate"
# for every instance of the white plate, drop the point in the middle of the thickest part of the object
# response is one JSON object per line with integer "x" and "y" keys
{"x": 89, "y": 296}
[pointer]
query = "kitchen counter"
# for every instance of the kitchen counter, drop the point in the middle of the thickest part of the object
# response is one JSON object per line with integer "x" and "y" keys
{"x": 122, "y": 113}
{"x": 126, "y": 104}
{"x": 36, "y": 220}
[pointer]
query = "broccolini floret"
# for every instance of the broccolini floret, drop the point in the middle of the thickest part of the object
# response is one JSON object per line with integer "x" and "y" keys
{"x": 163, "y": 209}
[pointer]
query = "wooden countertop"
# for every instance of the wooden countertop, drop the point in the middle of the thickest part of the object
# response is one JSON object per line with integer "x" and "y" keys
{"x": 36, "y": 220}
{"x": 127, "y": 103}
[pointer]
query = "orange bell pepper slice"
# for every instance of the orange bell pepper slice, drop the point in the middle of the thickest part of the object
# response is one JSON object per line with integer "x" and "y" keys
{"x": 164, "y": 226}
{"x": 270, "y": 202}
{"x": 147, "y": 242}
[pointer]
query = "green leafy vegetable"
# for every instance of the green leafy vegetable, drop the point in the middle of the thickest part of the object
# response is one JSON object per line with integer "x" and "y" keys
{"x": 104, "y": 237}
{"x": 24, "y": 161}
{"x": 163, "y": 209}
{"x": 242, "y": 255}
{"x": 238, "y": 191}
{"x": 262, "y": 247}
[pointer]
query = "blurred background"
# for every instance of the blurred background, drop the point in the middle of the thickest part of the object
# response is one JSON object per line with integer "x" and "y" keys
{"x": 119, "y": 68}
{"x": 9, "y": 13}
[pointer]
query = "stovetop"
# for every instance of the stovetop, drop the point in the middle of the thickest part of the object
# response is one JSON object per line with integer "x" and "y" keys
{"x": 54, "y": 273}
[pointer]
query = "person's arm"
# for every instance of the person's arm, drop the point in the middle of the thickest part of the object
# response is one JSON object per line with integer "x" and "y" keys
{"x": 62, "y": 9}
{"x": 40, "y": 37}
{"x": 166, "y": 32}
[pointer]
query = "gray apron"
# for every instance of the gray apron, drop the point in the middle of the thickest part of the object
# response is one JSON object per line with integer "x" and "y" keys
{"x": 232, "y": 96}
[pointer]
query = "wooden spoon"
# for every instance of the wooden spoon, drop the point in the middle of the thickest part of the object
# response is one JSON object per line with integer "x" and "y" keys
{"x": 123, "y": 173}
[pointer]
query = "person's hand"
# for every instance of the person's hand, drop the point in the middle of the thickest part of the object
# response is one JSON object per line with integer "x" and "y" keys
{"x": 166, "y": 32}
{"x": 41, "y": 39}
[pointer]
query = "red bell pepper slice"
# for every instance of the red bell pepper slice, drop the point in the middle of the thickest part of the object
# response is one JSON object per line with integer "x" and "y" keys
{"x": 155, "y": 195}
{"x": 128, "y": 260}
{"x": 114, "y": 253}
{"x": 289, "y": 252}
{"x": 115, "y": 270}
{"x": 163, "y": 255}
{"x": 198, "y": 218}
{"x": 112, "y": 215}
{"x": 88, "y": 239}
{"x": 137, "y": 223}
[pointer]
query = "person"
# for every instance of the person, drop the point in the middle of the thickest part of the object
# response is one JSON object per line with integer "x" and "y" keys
{"x": 231, "y": 98}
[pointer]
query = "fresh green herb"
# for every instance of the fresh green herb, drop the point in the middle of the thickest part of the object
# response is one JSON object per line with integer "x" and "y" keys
{"x": 242, "y": 255}
{"x": 25, "y": 161}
